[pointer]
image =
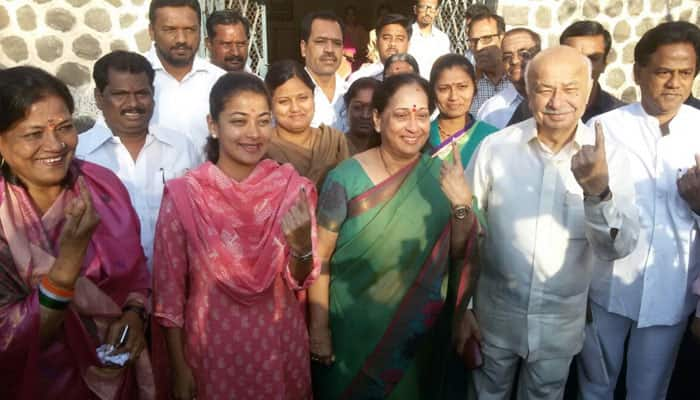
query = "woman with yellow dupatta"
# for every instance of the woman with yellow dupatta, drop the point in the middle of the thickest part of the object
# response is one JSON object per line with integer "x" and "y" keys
{"x": 312, "y": 151}
{"x": 395, "y": 236}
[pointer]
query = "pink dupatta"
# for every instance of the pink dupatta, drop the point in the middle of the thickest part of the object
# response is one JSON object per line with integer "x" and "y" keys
{"x": 114, "y": 273}
{"x": 238, "y": 224}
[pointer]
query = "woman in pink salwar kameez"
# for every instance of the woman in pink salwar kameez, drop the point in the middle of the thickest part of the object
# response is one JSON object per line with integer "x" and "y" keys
{"x": 234, "y": 244}
{"x": 72, "y": 271}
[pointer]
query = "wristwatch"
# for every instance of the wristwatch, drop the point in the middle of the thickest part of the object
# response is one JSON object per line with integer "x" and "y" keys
{"x": 597, "y": 198}
{"x": 460, "y": 212}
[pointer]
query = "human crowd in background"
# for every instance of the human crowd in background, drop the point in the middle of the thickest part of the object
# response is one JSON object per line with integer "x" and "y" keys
{"x": 388, "y": 220}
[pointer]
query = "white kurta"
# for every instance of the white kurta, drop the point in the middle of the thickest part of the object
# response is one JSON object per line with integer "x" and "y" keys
{"x": 542, "y": 239}
{"x": 165, "y": 155}
{"x": 653, "y": 284}
{"x": 183, "y": 106}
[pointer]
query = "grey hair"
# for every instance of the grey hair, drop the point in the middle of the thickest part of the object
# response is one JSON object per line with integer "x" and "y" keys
{"x": 587, "y": 62}
{"x": 405, "y": 57}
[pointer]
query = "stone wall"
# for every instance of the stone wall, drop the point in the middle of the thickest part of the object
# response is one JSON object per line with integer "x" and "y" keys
{"x": 65, "y": 37}
{"x": 627, "y": 20}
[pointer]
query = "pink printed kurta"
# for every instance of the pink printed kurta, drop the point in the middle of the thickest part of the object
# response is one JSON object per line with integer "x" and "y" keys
{"x": 245, "y": 336}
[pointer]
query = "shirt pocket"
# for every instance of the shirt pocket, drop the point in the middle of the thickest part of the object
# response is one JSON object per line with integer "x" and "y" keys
{"x": 155, "y": 190}
{"x": 574, "y": 216}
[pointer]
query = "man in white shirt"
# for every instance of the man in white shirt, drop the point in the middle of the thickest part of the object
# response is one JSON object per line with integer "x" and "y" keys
{"x": 143, "y": 156}
{"x": 393, "y": 37}
{"x": 228, "y": 38}
{"x": 322, "y": 49}
{"x": 556, "y": 200}
{"x": 427, "y": 41}
{"x": 519, "y": 45}
{"x": 484, "y": 35}
{"x": 640, "y": 308}
{"x": 183, "y": 80}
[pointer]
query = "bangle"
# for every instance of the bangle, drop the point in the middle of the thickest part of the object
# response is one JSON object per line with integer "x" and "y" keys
{"x": 52, "y": 296}
{"x": 303, "y": 258}
{"x": 138, "y": 310}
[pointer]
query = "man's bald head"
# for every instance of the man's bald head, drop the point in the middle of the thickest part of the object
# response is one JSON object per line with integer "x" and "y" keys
{"x": 554, "y": 58}
{"x": 558, "y": 82}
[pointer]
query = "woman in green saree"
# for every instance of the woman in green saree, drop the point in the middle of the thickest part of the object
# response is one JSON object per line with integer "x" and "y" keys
{"x": 395, "y": 235}
{"x": 452, "y": 81}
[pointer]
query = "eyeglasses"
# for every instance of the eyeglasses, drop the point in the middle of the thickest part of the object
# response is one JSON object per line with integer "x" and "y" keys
{"x": 425, "y": 7}
{"x": 523, "y": 54}
{"x": 486, "y": 40}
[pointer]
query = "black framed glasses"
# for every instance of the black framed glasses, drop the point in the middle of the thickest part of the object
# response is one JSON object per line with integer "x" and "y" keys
{"x": 485, "y": 40}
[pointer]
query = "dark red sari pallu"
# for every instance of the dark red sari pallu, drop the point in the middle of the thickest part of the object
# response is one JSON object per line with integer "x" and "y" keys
{"x": 390, "y": 307}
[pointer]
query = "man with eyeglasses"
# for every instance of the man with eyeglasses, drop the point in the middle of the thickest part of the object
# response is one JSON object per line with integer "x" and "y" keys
{"x": 484, "y": 34}
{"x": 427, "y": 41}
{"x": 518, "y": 47}
{"x": 472, "y": 11}
{"x": 228, "y": 34}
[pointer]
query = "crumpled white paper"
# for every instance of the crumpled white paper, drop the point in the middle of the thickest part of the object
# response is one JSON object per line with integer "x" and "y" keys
{"x": 104, "y": 353}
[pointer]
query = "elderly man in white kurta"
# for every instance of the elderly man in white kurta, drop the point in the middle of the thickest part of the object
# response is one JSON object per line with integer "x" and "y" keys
{"x": 646, "y": 299}
{"x": 557, "y": 200}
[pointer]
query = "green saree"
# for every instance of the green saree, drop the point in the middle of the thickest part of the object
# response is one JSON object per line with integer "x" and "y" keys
{"x": 389, "y": 279}
{"x": 467, "y": 140}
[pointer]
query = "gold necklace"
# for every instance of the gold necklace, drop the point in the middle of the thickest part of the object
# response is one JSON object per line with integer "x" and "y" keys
{"x": 443, "y": 135}
{"x": 381, "y": 155}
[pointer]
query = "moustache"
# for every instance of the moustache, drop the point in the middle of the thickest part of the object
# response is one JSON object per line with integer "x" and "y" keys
{"x": 550, "y": 111}
{"x": 238, "y": 59}
{"x": 135, "y": 110}
{"x": 181, "y": 47}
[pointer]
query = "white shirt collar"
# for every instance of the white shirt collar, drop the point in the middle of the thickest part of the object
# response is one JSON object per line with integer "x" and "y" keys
{"x": 198, "y": 65}
{"x": 416, "y": 31}
{"x": 528, "y": 132}
{"x": 100, "y": 134}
